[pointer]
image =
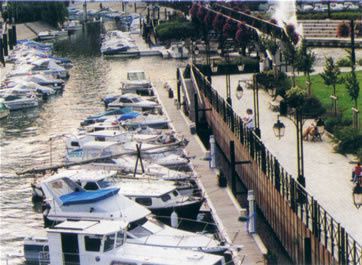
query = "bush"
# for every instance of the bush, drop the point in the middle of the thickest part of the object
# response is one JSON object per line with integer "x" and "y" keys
{"x": 347, "y": 15}
{"x": 295, "y": 97}
{"x": 343, "y": 30}
{"x": 334, "y": 124}
{"x": 267, "y": 80}
{"x": 344, "y": 62}
{"x": 312, "y": 107}
{"x": 350, "y": 140}
{"x": 359, "y": 154}
{"x": 176, "y": 30}
{"x": 359, "y": 62}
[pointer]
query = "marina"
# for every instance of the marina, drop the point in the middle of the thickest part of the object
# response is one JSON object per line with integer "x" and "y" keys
{"x": 121, "y": 147}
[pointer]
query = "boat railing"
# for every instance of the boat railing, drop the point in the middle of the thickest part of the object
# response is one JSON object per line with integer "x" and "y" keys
{"x": 44, "y": 258}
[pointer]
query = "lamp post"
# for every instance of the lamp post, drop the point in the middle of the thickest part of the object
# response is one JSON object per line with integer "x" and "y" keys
{"x": 239, "y": 90}
{"x": 195, "y": 51}
{"x": 256, "y": 106}
{"x": 224, "y": 50}
{"x": 279, "y": 129}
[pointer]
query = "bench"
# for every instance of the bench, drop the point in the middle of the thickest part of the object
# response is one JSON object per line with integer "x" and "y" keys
{"x": 274, "y": 105}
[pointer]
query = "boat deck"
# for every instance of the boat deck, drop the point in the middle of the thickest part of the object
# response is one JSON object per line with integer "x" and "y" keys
{"x": 223, "y": 205}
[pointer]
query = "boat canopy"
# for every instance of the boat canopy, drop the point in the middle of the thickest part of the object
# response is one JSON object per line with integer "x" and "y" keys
{"x": 84, "y": 197}
{"x": 128, "y": 116}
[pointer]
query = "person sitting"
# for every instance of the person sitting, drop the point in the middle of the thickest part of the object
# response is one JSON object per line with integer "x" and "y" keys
{"x": 357, "y": 173}
{"x": 310, "y": 131}
{"x": 248, "y": 119}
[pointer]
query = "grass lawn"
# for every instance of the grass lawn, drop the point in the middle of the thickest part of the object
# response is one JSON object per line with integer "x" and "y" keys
{"x": 322, "y": 92}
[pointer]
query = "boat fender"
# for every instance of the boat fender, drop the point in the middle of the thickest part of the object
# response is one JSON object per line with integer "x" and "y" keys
{"x": 174, "y": 219}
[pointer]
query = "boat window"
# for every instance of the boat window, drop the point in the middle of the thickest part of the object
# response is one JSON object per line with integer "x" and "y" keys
{"x": 92, "y": 243}
{"x": 125, "y": 100}
{"x": 175, "y": 193}
{"x": 104, "y": 184}
{"x": 74, "y": 143}
{"x": 119, "y": 240}
{"x": 109, "y": 242}
{"x": 91, "y": 186}
{"x": 136, "y": 100}
{"x": 165, "y": 197}
{"x": 100, "y": 138}
{"x": 144, "y": 201}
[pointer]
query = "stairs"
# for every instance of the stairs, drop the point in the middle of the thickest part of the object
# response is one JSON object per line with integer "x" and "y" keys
{"x": 325, "y": 29}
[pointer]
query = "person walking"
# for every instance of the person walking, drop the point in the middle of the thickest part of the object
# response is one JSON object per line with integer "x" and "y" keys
{"x": 357, "y": 173}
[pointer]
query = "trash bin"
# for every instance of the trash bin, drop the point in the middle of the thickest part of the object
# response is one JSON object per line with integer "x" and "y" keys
{"x": 170, "y": 93}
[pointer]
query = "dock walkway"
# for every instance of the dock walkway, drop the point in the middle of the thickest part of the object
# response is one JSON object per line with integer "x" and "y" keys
{"x": 223, "y": 206}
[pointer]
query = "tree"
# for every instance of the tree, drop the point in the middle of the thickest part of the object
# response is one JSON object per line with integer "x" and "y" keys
{"x": 331, "y": 77}
{"x": 290, "y": 50}
{"x": 304, "y": 63}
{"x": 352, "y": 86}
{"x": 270, "y": 44}
{"x": 296, "y": 97}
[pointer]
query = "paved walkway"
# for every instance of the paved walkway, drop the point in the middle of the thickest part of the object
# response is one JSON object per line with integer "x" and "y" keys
{"x": 327, "y": 173}
{"x": 220, "y": 200}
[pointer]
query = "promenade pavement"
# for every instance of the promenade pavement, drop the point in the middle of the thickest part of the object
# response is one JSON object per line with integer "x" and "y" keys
{"x": 327, "y": 173}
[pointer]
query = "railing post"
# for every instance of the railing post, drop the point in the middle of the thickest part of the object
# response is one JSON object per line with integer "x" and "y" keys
{"x": 241, "y": 131}
{"x": 232, "y": 166}
{"x": 2, "y": 59}
{"x": 341, "y": 245}
{"x": 196, "y": 109}
{"x": 307, "y": 251}
{"x": 292, "y": 194}
{"x": 5, "y": 43}
{"x": 276, "y": 174}
{"x": 10, "y": 33}
{"x": 178, "y": 86}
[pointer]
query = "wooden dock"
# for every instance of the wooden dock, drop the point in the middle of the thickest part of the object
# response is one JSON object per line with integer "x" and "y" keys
{"x": 223, "y": 205}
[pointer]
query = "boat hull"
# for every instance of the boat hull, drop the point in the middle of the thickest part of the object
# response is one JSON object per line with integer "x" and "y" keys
{"x": 185, "y": 211}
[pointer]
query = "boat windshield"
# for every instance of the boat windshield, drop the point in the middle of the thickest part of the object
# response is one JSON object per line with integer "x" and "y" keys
{"x": 136, "y": 100}
{"x": 109, "y": 242}
{"x": 103, "y": 184}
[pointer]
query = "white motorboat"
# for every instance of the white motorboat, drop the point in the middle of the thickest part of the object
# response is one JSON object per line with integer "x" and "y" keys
{"x": 161, "y": 197}
{"x": 178, "y": 51}
{"x": 43, "y": 80}
{"x": 137, "y": 83}
{"x": 136, "y": 102}
{"x": 51, "y": 34}
{"x": 14, "y": 102}
{"x": 105, "y": 242}
{"x": 150, "y": 169}
{"x": 74, "y": 142}
{"x": 40, "y": 90}
{"x": 72, "y": 26}
{"x": 68, "y": 201}
{"x": 4, "y": 111}
{"x": 149, "y": 120}
{"x": 42, "y": 66}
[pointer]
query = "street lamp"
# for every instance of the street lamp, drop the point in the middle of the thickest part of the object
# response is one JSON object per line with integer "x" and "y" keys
{"x": 241, "y": 67}
{"x": 279, "y": 129}
{"x": 239, "y": 90}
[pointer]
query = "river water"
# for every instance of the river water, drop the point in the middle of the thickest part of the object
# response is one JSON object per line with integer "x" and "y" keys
{"x": 25, "y": 134}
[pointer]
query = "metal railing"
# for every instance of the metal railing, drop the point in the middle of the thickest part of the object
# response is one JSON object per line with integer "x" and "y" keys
{"x": 324, "y": 227}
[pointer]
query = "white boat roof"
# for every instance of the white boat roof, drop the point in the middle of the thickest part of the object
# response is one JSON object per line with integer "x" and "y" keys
{"x": 99, "y": 144}
{"x": 80, "y": 174}
{"x": 107, "y": 133}
{"x": 102, "y": 227}
{"x": 143, "y": 188}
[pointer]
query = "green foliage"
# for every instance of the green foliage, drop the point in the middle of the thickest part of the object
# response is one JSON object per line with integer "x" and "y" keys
{"x": 352, "y": 86}
{"x": 344, "y": 62}
{"x": 269, "y": 43}
{"x": 305, "y": 59}
{"x": 331, "y": 73}
{"x": 49, "y": 12}
{"x": 350, "y": 140}
{"x": 359, "y": 154}
{"x": 296, "y": 97}
{"x": 312, "y": 107}
{"x": 333, "y": 124}
{"x": 176, "y": 30}
{"x": 268, "y": 80}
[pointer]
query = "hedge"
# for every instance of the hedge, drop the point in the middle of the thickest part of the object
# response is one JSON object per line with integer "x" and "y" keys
{"x": 176, "y": 30}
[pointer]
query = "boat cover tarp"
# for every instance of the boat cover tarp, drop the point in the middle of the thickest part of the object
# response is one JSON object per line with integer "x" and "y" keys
{"x": 128, "y": 116}
{"x": 82, "y": 197}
